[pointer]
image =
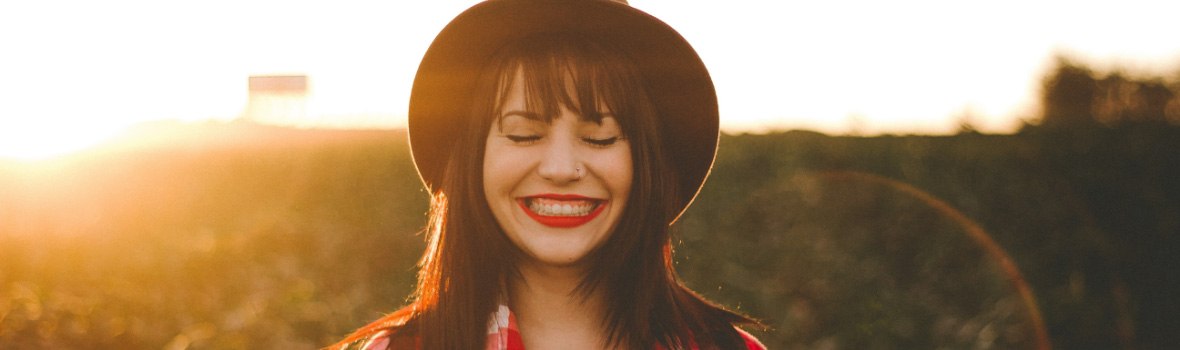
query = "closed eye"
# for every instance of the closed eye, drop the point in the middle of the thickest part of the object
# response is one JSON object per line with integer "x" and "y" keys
{"x": 601, "y": 142}
{"x": 523, "y": 139}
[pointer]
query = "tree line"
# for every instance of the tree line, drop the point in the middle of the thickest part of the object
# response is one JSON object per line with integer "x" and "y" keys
{"x": 1074, "y": 95}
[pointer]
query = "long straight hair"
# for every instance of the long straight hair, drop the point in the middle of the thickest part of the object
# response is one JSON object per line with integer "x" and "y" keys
{"x": 468, "y": 259}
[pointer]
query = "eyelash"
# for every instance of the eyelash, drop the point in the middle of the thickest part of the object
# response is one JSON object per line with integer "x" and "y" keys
{"x": 601, "y": 142}
{"x": 525, "y": 139}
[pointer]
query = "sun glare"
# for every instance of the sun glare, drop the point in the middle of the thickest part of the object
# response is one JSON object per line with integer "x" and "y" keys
{"x": 44, "y": 142}
{"x": 776, "y": 65}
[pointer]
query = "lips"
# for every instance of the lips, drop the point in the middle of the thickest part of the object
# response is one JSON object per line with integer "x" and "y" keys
{"x": 561, "y": 210}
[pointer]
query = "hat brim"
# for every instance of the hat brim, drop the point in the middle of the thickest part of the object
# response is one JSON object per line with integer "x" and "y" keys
{"x": 675, "y": 77}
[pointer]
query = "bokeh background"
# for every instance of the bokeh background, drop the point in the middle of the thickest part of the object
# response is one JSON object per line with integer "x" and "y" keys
{"x": 240, "y": 235}
{"x": 892, "y": 175}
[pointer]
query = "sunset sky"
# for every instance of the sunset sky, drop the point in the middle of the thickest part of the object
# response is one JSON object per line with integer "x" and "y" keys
{"x": 74, "y": 72}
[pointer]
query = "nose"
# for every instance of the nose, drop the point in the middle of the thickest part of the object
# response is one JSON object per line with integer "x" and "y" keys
{"x": 559, "y": 161}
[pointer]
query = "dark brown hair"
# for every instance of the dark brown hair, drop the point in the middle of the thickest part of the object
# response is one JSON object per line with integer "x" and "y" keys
{"x": 468, "y": 259}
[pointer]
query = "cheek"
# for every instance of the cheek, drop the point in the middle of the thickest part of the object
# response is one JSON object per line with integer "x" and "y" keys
{"x": 502, "y": 168}
{"x": 491, "y": 170}
{"x": 497, "y": 187}
{"x": 619, "y": 173}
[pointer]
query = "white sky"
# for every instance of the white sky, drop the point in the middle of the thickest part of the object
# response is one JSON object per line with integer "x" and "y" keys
{"x": 70, "y": 70}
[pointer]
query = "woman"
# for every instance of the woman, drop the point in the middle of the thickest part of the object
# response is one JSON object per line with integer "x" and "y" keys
{"x": 559, "y": 140}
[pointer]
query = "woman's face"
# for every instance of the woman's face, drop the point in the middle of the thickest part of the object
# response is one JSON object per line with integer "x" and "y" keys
{"x": 556, "y": 188}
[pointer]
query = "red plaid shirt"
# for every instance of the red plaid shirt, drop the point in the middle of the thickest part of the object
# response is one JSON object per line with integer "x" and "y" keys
{"x": 503, "y": 334}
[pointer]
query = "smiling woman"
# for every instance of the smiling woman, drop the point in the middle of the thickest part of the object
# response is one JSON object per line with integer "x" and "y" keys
{"x": 559, "y": 140}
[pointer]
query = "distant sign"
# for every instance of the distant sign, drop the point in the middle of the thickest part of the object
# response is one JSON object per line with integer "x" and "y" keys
{"x": 279, "y": 83}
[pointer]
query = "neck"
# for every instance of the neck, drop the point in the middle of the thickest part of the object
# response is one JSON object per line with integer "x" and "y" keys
{"x": 552, "y": 313}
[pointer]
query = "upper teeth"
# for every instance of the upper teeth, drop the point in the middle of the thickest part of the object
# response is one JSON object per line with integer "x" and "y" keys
{"x": 552, "y": 207}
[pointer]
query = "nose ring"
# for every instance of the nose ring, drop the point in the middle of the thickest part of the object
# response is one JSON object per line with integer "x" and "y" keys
{"x": 578, "y": 172}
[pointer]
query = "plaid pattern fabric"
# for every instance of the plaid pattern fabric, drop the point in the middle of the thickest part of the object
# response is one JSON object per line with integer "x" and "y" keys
{"x": 503, "y": 334}
{"x": 379, "y": 341}
{"x": 502, "y": 331}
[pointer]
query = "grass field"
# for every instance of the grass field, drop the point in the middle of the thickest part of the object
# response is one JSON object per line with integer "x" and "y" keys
{"x": 234, "y": 236}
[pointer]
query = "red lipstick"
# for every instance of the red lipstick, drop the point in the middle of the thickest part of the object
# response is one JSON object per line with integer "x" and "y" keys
{"x": 561, "y": 210}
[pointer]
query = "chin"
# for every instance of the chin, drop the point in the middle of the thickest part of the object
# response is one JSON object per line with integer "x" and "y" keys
{"x": 559, "y": 260}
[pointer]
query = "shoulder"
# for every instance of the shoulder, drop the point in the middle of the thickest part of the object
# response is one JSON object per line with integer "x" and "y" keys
{"x": 378, "y": 341}
{"x": 390, "y": 332}
{"x": 382, "y": 340}
{"x": 752, "y": 343}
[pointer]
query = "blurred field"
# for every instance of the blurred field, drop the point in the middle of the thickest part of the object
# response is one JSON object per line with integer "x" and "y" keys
{"x": 235, "y": 236}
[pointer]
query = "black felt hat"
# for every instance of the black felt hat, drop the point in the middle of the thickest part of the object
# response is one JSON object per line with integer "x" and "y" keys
{"x": 675, "y": 77}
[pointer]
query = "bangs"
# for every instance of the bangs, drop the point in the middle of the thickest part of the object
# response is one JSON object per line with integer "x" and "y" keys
{"x": 567, "y": 71}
